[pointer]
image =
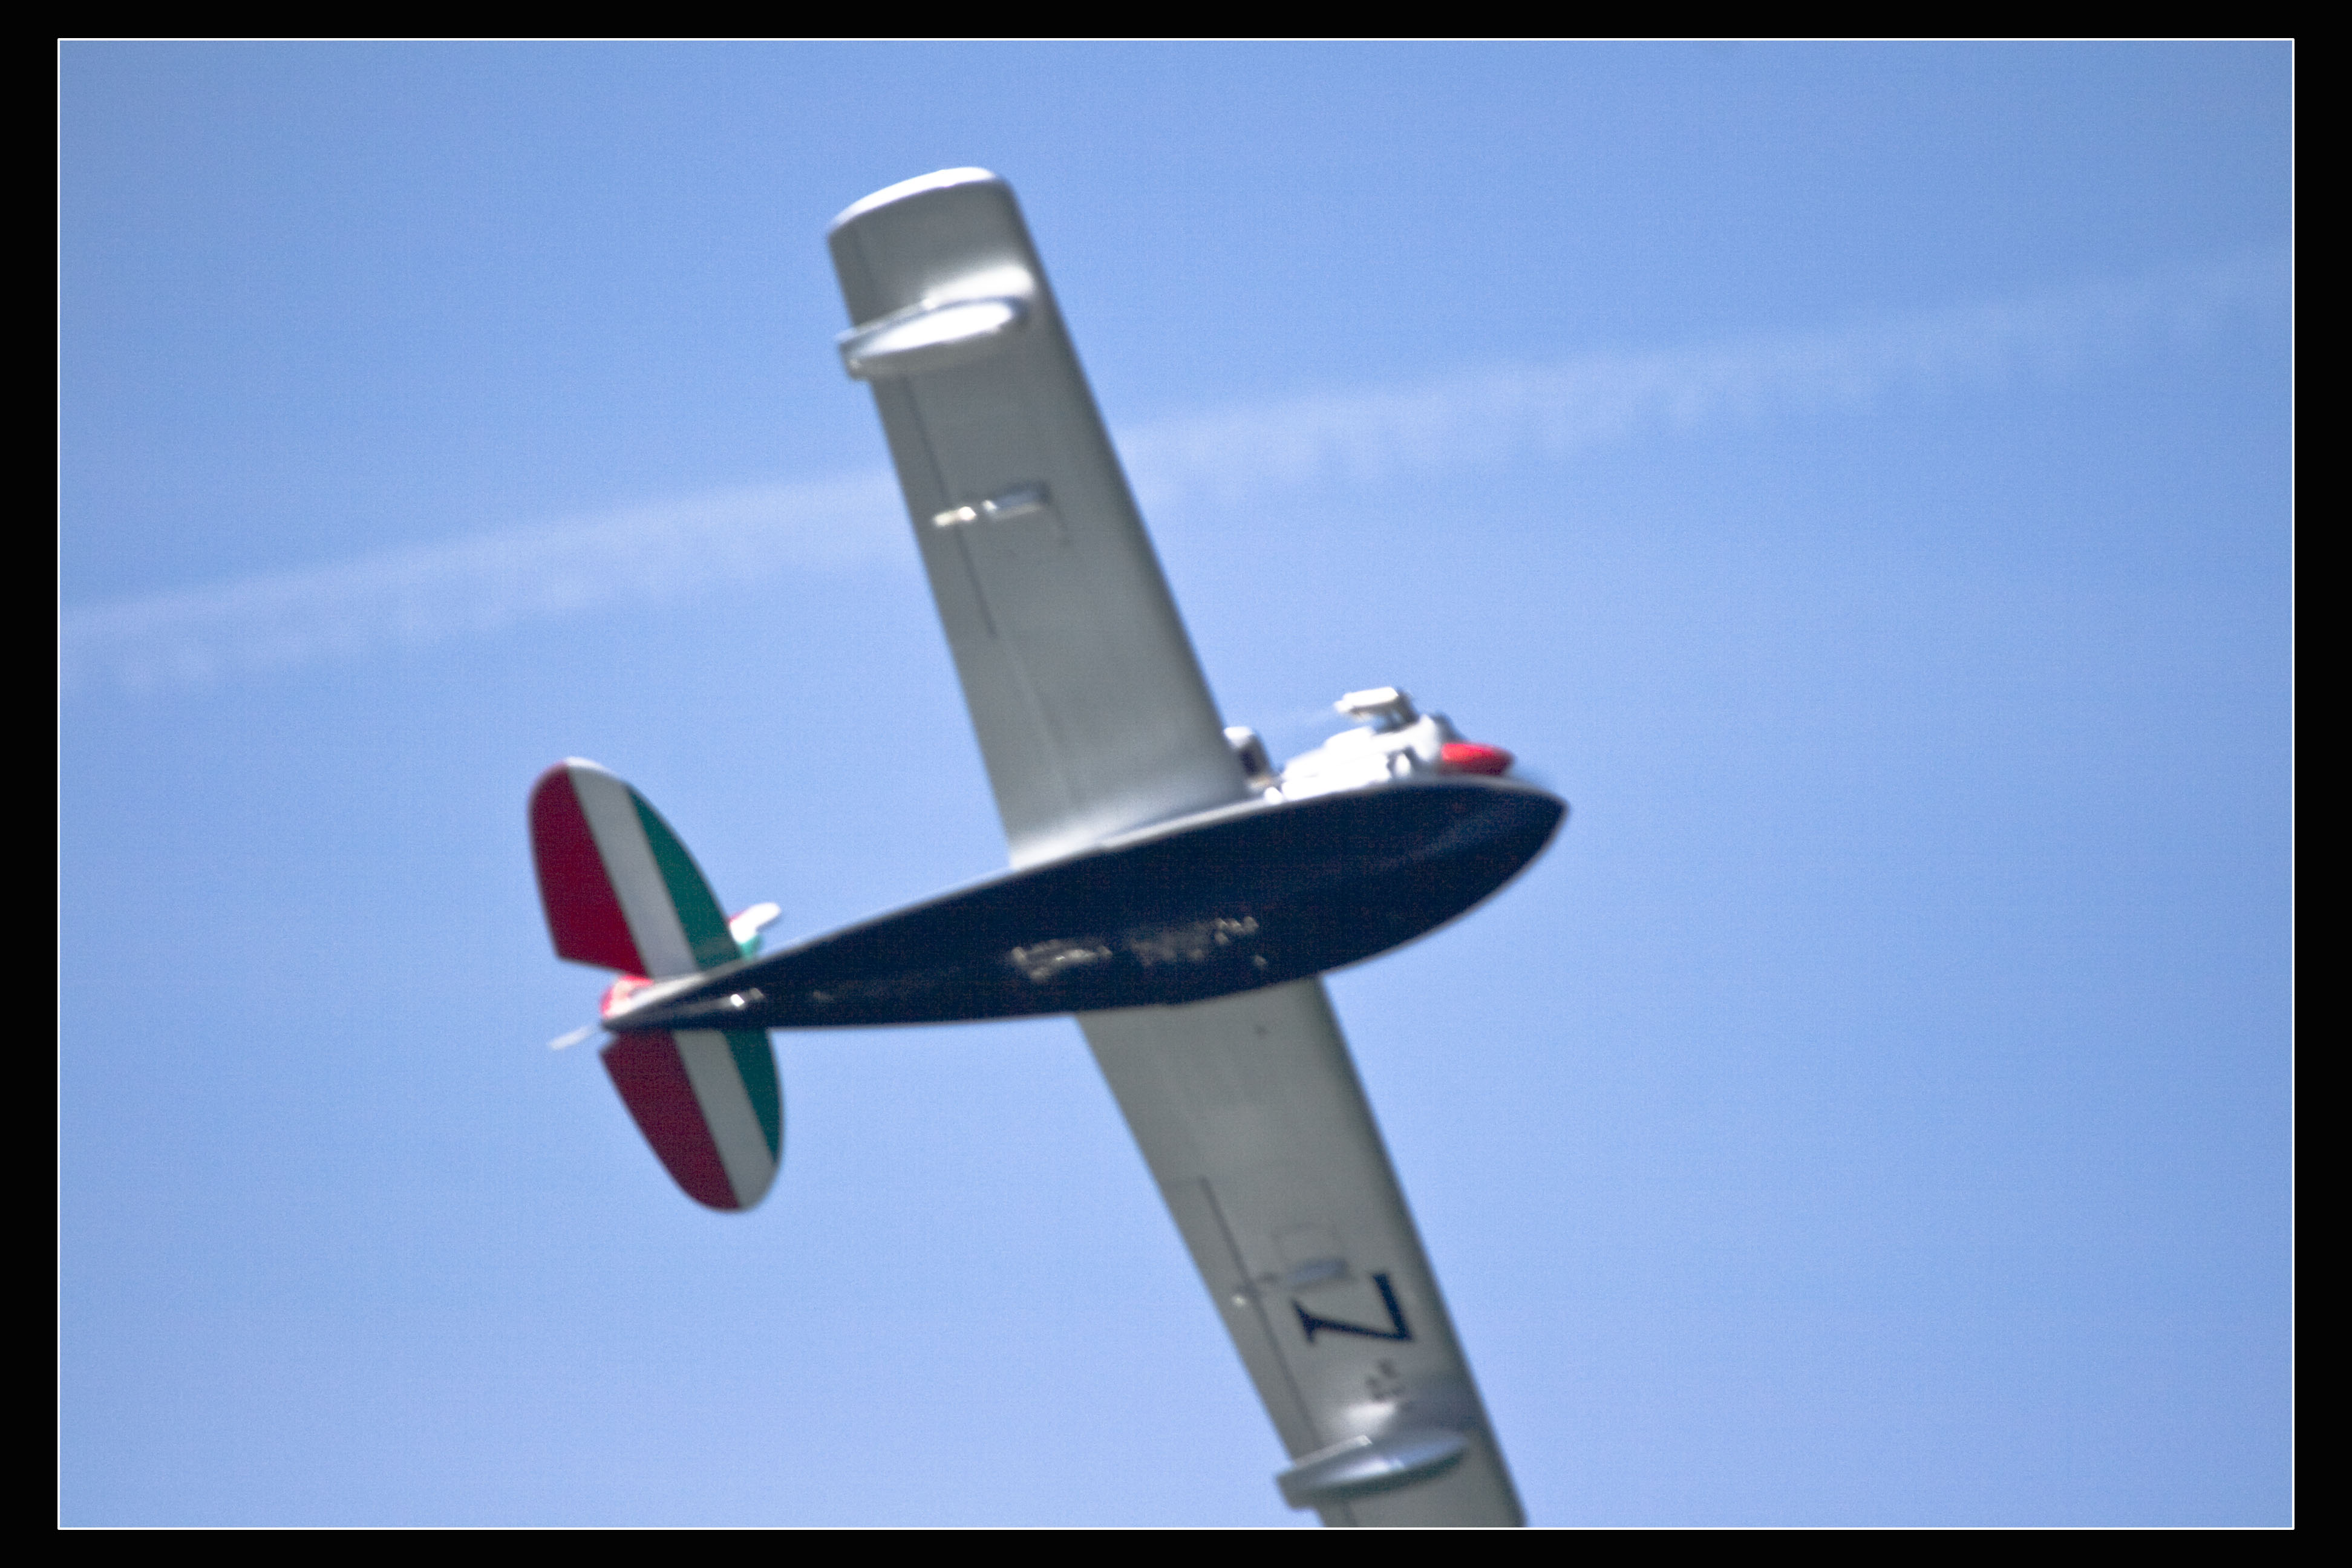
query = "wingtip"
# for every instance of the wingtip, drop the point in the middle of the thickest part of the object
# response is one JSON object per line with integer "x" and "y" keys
{"x": 921, "y": 185}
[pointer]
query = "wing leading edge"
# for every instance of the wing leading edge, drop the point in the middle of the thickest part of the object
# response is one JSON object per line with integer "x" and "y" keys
{"x": 1093, "y": 719}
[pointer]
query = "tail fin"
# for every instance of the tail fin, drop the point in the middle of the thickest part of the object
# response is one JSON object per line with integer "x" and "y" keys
{"x": 709, "y": 1103}
{"x": 621, "y": 892}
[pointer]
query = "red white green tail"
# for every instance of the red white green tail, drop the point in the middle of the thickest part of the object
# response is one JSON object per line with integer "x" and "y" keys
{"x": 621, "y": 892}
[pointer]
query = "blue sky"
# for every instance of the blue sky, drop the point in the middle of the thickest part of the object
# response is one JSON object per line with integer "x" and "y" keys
{"x": 1858, "y": 477}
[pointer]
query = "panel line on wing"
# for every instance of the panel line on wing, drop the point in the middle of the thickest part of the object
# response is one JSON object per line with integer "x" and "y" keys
{"x": 1248, "y": 1292}
{"x": 931, "y": 450}
{"x": 1084, "y": 690}
{"x": 1016, "y": 667}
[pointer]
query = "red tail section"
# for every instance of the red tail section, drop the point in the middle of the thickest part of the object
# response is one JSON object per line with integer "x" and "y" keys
{"x": 583, "y": 915}
{"x": 651, "y": 1076}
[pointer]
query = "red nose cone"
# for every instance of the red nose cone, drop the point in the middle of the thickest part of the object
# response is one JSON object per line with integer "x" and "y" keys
{"x": 1470, "y": 757}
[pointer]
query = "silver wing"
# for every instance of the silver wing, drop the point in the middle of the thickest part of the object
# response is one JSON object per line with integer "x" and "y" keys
{"x": 1093, "y": 718}
{"x": 1092, "y": 715}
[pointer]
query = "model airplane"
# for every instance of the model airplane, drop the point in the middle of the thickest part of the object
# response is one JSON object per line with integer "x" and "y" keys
{"x": 1169, "y": 886}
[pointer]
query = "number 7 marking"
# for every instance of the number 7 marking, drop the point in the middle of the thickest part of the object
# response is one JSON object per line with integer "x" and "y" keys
{"x": 1396, "y": 1330}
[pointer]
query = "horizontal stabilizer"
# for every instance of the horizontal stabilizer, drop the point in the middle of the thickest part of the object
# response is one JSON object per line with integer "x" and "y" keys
{"x": 710, "y": 1105}
{"x": 746, "y": 927}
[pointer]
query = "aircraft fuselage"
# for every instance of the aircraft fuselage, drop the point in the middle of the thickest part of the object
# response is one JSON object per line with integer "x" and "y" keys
{"x": 1250, "y": 895}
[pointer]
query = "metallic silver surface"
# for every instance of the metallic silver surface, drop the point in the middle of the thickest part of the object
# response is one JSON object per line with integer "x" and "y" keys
{"x": 1361, "y": 1466}
{"x": 932, "y": 337}
{"x": 1084, "y": 691}
{"x": 1095, "y": 722}
{"x": 1248, "y": 1111}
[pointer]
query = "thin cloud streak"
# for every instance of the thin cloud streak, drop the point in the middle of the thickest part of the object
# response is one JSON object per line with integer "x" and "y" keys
{"x": 1493, "y": 415}
{"x": 199, "y": 636}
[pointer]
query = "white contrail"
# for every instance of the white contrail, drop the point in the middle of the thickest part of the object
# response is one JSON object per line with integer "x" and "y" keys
{"x": 196, "y": 637}
{"x": 1500, "y": 413}
{"x": 199, "y": 635}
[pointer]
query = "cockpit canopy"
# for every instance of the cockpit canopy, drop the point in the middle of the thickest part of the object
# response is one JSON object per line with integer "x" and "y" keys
{"x": 1391, "y": 739}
